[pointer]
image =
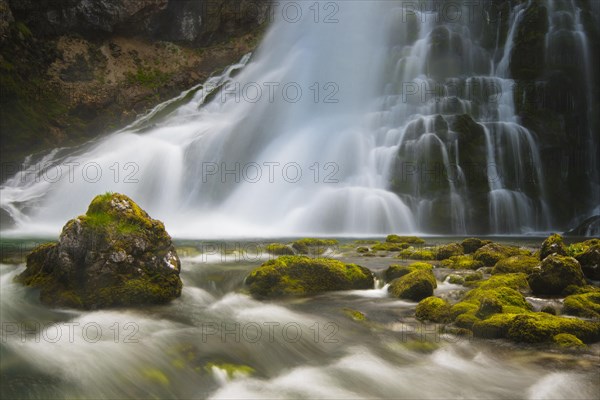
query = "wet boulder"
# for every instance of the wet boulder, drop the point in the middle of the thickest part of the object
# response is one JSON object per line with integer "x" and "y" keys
{"x": 555, "y": 274}
{"x": 113, "y": 256}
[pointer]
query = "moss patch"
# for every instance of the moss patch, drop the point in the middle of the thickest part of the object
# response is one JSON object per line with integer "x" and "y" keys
{"x": 415, "y": 286}
{"x": 300, "y": 276}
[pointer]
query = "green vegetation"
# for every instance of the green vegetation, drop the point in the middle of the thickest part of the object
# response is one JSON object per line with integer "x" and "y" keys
{"x": 313, "y": 246}
{"x": 462, "y": 262}
{"x": 553, "y": 244}
{"x": 396, "y": 271}
{"x": 417, "y": 254}
{"x": 449, "y": 250}
{"x": 279, "y": 249}
{"x": 300, "y": 276}
{"x": 514, "y": 264}
{"x": 151, "y": 78}
{"x": 433, "y": 309}
{"x": 555, "y": 275}
{"x": 415, "y": 286}
{"x": 491, "y": 253}
{"x": 404, "y": 239}
{"x": 585, "y": 305}
{"x": 232, "y": 370}
{"x": 354, "y": 314}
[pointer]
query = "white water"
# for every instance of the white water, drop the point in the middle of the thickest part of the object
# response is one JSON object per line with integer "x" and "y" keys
{"x": 349, "y": 141}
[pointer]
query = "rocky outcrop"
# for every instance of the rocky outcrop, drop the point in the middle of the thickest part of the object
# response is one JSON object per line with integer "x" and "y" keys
{"x": 72, "y": 70}
{"x": 113, "y": 256}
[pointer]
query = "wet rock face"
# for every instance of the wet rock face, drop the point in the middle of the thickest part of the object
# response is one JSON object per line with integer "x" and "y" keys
{"x": 192, "y": 21}
{"x": 114, "y": 256}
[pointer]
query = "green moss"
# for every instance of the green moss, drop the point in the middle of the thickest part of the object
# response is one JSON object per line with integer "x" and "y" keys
{"x": 513, "y": 281}
{"x": 462, "y": 262}
{"x": 541, "y": 327}
{"x": 470, "y": 245}
{"x": 513, "y": 264}
{"x": 279, "y": 249}
{"x": 473, "y": 277}
{"x": 553, "y": 244}
{"x": 548, "y": 310}
{"x": 404, "y": 239}
{"x": 23, "y": 29}
{"x": 313, "y": 246}
{"x": 567, "y": 341}
{"x": 421, "y": 346}
{"x": 151, "y": 78}
{"x": 449, "y": 250}
{"x": 555, "y": 274}
{"x": 232, "y": 370}
{"x": 416, "y": 285}
{"x": 494, "y": 327}
{"x": 299, "y": 275}
{"x": 417, "y": 254}
{"x": 354, "y": 314}
{"x": 396, "y": 271}
{"x": 577, "y": 249}
{"x": 585, "y": 305}
{"x": 491, "y": 253}
{"x": 433, "y": 309}
{"x": 389, "y": 246}
{"x": 155, "y": 375}
{"x": 362, "y": 250}
{"x": 456, "y": 279}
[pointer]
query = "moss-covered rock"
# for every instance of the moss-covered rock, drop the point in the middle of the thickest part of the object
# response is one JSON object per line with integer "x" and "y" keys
{"x": 362, "y": 250}
{"x": 279, "y": 249}
{"x": 590, "y": 262}
{"x": 313, "y": 246}
{"x": 567, "y": 341}
{"x": 462, "y": 262}
{"x": 412, "y": 253}
{"x": 395, "y": 271}
{"x": 389, "y": 246}
{"x": 404, "y": 239}
{"x": 300, "y": 276}
{"x": 553, "y": 244}
{"x": 471, "y": 245}
{"x": 514, "y": 264}
{"x": 585, "y": 305}
{"x": 415, "y": 286}
{"x": 115, "y": 255}
{"x": 433, "y": 309}
{"x": 449, "y": 250}
{"x": 555, "y": 274}
{"x": 491, "y": 253}
{"x": 541, "y": 327}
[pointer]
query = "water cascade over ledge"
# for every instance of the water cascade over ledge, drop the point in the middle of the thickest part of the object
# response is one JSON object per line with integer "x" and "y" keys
{"x": 376, "y": 117}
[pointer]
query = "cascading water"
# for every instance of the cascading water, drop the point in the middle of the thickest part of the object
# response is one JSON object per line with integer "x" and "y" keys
{"x": 404, "y": 123}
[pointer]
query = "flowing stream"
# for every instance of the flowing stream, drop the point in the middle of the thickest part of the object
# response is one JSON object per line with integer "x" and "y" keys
{"x": 367, "y": 117}
{"x": 217, "y": 342}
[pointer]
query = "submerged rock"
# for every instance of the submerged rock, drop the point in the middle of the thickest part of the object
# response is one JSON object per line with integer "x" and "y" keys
{"x": 300, "y": 276}
{"x": 555, "y": 274}
{"x": 113, "y": 256}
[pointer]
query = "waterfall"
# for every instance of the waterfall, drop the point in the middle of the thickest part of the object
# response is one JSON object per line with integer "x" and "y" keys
{"x": 365, "y": 118}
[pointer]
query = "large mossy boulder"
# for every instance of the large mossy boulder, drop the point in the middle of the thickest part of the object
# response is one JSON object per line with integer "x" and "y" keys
{"x": 113, "y": 256}
{"x": 301, "y": 276}
{"x": 515, "y": 264}
{"x": 415, "y": 286}
{"x": 553, "y": 245}
{"x": 491, "y": 253}
{"x": 555, "y": 274}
